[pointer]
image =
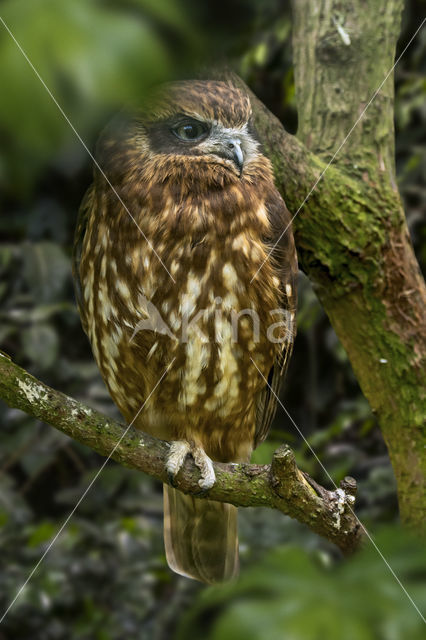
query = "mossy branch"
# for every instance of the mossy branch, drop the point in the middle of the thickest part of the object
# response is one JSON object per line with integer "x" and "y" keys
{"x": 338, "y": 180}
{"x": 280, "y": 485}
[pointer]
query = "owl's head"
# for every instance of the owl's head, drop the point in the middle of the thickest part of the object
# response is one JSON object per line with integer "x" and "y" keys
{"x": 201, "y": 118}
{"x": 208, "y": 122}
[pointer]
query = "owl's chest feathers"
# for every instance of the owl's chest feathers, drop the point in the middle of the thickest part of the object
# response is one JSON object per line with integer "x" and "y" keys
{"x": 217, "y": 317}
{"x": 188, "y": 298}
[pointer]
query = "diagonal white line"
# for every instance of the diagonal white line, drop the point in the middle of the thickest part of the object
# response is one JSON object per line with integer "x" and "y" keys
{"x": 82, "y": 142}
{"x": 64, "y": 524}
{"x": 348, "y": 505}
{"x": 373, "y": 97}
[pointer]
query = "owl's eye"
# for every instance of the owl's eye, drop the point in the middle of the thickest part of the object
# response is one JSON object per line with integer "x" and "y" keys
{"x": 190, "y": 130}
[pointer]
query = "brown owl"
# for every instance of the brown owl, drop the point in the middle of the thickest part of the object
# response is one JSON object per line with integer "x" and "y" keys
{"x": 177, "y": 267}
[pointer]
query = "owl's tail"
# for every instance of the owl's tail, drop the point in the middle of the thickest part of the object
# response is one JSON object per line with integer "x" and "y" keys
{"x": 200, "y": 537}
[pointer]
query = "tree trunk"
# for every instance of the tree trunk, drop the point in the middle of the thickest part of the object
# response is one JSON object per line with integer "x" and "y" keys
{"x": 351, "y": 233}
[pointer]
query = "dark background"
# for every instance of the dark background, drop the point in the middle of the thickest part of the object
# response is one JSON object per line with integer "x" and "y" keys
{"x": 106, "y": 577}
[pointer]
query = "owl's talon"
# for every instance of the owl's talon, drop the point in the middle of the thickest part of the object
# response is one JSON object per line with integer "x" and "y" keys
{"x": 179, "y": 449}
{"x": 205, "y": 465}
{"x": 176, "y": 458}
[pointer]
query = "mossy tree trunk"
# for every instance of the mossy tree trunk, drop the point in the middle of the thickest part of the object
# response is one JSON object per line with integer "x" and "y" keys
{"x": 351, "y": 233}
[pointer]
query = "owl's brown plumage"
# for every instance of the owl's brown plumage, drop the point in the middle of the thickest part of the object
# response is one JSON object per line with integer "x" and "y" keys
{"x": 170, "y": 280}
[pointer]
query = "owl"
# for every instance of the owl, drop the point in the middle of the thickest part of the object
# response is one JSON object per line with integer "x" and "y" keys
{"x": 185, "y": 267}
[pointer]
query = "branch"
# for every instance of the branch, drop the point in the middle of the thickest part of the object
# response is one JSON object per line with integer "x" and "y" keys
{"x": 280, "y": 485}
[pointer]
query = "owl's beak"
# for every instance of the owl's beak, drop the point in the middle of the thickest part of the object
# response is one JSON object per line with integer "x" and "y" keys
{"x": 229, "y": 148}
{"x": 234, "y": 146}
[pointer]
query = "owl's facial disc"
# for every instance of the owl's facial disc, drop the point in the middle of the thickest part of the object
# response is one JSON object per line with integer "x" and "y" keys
{"x": 189, "y": 134}
{"x": 236, "y": 145}
{"x": 212, "y": 138}
{"x": 228, "y": 148}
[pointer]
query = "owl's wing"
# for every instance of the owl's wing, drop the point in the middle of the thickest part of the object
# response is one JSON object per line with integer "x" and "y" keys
{"x": 284, "y": 256}
{"x": 80, "y": 231}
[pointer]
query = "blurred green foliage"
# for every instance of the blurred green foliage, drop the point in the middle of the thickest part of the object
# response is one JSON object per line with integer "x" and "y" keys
{"x": 93, "y": 57}
{"x": 106, "y": 577}
{"x": 299, "y": 596}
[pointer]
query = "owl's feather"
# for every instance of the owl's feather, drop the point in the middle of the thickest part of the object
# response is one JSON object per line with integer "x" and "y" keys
{"x": 200, "y": 537}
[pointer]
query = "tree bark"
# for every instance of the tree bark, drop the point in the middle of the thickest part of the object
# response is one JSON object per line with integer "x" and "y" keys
{"x": 351, "y": 233}
{"x": 280, "y": 485}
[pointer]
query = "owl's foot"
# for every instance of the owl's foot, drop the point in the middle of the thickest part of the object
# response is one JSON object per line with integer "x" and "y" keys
{"x": 179, "y": 449}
